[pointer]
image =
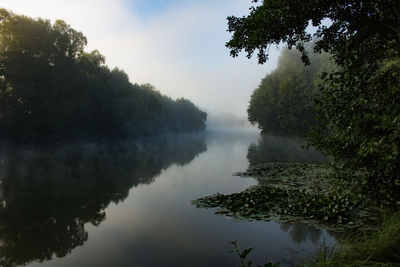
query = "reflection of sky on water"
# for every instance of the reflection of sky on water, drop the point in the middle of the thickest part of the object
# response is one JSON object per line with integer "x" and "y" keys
{"x": 155, "y": 225}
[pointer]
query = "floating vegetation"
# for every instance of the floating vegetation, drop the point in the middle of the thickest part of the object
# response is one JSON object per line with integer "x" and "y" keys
{"x": 289, "y": 175}
{"x": 293, "y": 192}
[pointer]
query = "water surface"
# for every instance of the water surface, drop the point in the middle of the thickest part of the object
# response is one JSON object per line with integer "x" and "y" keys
{"x": 128, "y": 203}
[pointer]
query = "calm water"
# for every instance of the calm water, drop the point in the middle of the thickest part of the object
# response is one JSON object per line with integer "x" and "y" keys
{"x": 128, "y": 204}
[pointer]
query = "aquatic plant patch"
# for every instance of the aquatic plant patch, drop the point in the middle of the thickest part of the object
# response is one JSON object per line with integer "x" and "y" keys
{"x": 289, "y": 175}
{"x": 289, "y": 192}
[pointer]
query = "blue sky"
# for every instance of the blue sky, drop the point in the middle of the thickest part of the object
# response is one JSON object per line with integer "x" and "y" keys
{"x": 146, "y": 9}
{"x": 176, "y": 45}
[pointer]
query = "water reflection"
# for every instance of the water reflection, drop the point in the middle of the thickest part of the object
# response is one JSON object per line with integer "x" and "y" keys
{"x": 300, "y": 232}
{"x": 48, "y": 195}
{"x": 283, "y": 149}
{"x": 290, "y": 149}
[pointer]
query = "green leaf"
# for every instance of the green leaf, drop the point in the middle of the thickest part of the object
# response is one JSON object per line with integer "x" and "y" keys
{"x": 245, "y": 252}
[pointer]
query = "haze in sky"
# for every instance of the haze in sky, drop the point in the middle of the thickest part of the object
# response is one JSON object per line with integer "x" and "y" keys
{"x": 176, "y": 45}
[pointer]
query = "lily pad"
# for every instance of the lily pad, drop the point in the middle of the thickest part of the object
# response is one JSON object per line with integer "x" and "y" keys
{"x": 292, "y": 192}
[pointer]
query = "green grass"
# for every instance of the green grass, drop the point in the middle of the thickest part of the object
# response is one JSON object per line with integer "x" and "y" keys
{"x": 377, "y": 248}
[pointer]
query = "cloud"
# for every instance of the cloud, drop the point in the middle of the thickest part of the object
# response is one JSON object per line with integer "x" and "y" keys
{"x": 178, "y": 47}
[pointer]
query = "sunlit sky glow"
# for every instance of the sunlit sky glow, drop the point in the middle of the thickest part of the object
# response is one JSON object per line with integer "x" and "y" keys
{"x": 176, "y": 45}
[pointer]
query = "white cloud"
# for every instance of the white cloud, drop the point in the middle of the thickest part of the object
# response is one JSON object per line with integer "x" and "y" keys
{"x": 180, "y": 50}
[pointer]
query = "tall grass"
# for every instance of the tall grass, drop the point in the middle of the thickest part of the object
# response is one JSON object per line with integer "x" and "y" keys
{"x": 377, "y": 248}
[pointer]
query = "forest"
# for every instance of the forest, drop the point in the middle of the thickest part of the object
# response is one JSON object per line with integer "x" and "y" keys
{"x": 52, "y": 90}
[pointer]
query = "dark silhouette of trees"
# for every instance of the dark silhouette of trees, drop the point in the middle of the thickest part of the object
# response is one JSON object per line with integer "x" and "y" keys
{"x": 50, "y": 89}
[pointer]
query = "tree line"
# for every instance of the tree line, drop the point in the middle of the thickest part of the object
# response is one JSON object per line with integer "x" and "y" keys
{"x": 50, "y": 89}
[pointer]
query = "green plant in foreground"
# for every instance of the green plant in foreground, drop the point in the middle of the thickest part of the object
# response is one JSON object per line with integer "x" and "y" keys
{"x": 243, "y": 254}
{"x": 377, "y": 248}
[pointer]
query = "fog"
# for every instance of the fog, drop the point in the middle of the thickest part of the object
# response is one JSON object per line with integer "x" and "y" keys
{"x": 178, "y": 46}
{"x": 227, "y": 121}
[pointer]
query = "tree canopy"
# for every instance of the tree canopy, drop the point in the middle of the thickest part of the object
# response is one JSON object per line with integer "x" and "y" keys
{"x": 342, "y": 26}
{"x": 50, "y": 89}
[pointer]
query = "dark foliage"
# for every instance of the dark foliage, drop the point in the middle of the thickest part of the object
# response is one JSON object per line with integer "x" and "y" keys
{"x": 359, "y": 110}
{"x": 50, "y": 89}
{"x": 343, "y": 23}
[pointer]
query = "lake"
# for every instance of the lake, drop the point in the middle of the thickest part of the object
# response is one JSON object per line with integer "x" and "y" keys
{"x": 128, "y": 203}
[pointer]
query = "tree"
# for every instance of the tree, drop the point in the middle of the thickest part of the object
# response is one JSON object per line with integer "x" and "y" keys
{"x": 359, "y": 107}
{"x": 283, "y": 101}
{"x": 33, "y": 54}
{"x": 352, "y": 23}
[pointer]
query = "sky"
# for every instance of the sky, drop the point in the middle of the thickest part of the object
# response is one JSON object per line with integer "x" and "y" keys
{"x": 176, "y": 45}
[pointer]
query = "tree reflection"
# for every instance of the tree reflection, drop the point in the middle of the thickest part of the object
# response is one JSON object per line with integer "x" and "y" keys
{"x": 48, "y": 195}
{"x": 300, "y": 232}
{"x": 282, "y": 149}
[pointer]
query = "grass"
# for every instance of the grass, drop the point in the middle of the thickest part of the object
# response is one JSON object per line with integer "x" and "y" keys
{"x": 377, "y": 248}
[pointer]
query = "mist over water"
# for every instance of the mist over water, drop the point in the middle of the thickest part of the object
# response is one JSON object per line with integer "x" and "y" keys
{"x": 48, "y": 195}
{"x": 227, "y": 121}
{"x": 127, "y": 203}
